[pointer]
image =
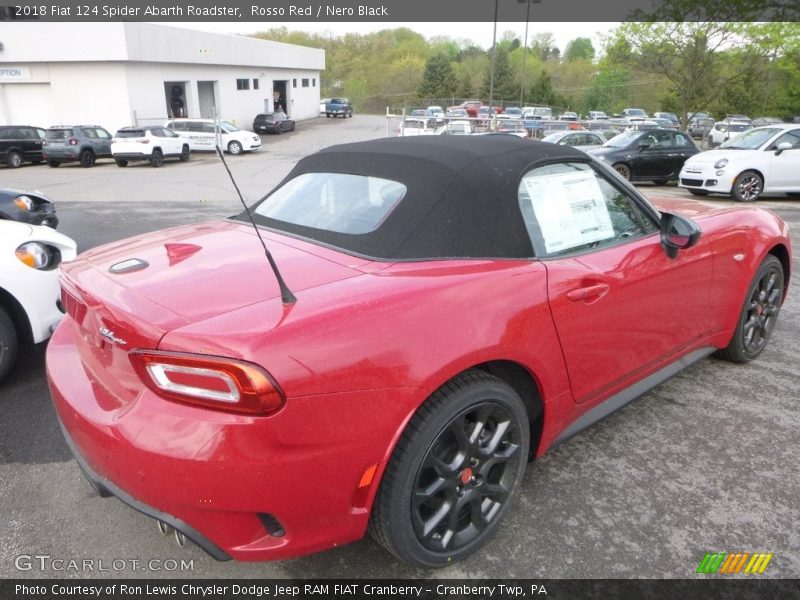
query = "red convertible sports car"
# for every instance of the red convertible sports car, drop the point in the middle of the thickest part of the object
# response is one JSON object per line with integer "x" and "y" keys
{"x": 456, "y": 306}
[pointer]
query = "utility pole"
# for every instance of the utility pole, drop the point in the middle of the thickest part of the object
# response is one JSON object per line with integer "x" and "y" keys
{"x": 494, "y": 57}
{"x": 525, "y": 49}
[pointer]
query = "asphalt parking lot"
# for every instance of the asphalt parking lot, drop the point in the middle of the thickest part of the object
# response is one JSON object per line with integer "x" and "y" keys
{"x": 705, "y": 462}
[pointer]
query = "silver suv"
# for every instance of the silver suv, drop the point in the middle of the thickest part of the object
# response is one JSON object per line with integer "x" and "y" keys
{"x": 83, "y": 143}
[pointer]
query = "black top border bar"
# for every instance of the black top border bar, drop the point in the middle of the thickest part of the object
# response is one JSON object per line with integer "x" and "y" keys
{"x": 269, "y": 12}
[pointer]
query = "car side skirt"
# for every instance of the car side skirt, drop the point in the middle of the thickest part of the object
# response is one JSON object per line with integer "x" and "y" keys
{"x": 620, "y": 399}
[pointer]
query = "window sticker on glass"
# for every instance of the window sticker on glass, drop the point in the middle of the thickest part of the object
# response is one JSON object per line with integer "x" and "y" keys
{"x": 570, "y": 209}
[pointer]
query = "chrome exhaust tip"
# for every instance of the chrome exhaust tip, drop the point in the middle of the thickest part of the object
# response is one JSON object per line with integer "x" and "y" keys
{"x": 163, "y": 528}
{"x": 180, "y": 538}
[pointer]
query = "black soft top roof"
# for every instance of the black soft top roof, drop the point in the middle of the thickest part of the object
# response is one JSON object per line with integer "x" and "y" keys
{"x": 461, "y": 201}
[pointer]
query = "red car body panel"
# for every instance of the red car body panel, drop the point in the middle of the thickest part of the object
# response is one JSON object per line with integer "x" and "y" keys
{"x": 364, "y": 346}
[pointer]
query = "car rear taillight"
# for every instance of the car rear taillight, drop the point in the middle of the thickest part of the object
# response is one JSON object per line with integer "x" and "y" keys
{"x": 73, "y": 141}
{"x": 142, "y": 141}
{"x": 210, "y": 381}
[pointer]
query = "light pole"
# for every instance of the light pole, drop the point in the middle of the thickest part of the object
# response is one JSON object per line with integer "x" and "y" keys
{"x": 494, "y": 56}
{"x": 525, "y": 49}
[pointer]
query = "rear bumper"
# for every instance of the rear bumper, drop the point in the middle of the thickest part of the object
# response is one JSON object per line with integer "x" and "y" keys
{"x": 225, "y": 480}
{"x": 131, "y": 156}
{"x": 106, "y": 488}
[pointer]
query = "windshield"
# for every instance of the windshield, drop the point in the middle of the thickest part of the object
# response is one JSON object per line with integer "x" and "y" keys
{"x": 225, "y": 126}
{"x": 338, "y": 202}
{"x": 751, "y": 140}
{"x": 622, "y": 140}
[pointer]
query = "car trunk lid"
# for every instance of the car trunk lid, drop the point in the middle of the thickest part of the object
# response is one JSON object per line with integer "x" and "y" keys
{"x": 130, "y": 294}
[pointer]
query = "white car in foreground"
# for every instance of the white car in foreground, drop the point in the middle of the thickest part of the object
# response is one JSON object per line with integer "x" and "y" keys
{"x": 29, "y": 292}
{"x": 757, "y": 161}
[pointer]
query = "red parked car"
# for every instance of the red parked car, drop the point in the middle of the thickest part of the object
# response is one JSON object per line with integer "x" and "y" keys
{"x": 471, "y": 106}
{"x": 456, "y": 306}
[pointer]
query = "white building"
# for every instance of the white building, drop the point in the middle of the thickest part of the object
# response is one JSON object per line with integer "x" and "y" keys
{"x": 117, "y": 74}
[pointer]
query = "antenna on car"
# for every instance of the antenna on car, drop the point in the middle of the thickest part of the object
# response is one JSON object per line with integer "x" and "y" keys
{"x": 287, "y": 297}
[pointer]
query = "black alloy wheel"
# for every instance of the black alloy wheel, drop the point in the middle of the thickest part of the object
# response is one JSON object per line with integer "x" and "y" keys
{"x": 87, "y": 158}
{"x": 759, "y": 313}
{"x": 157, "y": 157}
{"x": 454, "y": 472}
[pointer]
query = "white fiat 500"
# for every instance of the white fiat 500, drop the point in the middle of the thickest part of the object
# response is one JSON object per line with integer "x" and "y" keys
{"x": 29, "y": 292}
{"x": 760, "y": 160}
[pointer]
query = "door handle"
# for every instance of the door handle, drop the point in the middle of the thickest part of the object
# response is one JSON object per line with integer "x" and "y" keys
{"x": 589, "y": 293}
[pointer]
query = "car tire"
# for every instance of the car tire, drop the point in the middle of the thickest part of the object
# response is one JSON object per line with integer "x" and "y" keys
{"x": 235, "y": 147}
{"x": 8, "y": 344}
{"x": 328, "y": 115}
{"x": 157, "y": 157}
{"x": 120, "y": 162}
{"x": 759, "y": 313}
{"x": 86, "y": 158}
{"x": 698, "y": 192}
{"x": 54, "y": 163}
{"x": 747, "y": 187}
{"x": 14, "y": 159}
{"x": 293, "y": 126}
{"x": 623, "y": 170}
{"x": 186, "y": 153}
{"x": 453, "y": 473}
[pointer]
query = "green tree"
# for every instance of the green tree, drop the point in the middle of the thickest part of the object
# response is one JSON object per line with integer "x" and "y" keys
{"x": 699, "y": 59}
{"x": 579, "y": 49}
{"x": 439, "y": 80}
{"x": 505, "y": 87}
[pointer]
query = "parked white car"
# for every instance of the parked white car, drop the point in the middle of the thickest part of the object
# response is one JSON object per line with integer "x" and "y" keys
{"x": 150, "y": 143}
{"x": 725, "y": 130}
{"x": 412, "y": 126}
{"x": 583, "y": 140}
{"x": 202, "y": 135}
{"x": 456, "y": 127}
{"x": 757, "y": 161}
{"x": 29, "y": 292}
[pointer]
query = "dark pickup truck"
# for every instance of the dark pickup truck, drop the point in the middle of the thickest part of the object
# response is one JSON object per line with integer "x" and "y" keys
{"x": 338, "y": 106}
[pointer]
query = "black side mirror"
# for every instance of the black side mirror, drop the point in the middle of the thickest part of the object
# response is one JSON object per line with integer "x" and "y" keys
{"x": 678, "y": 233}
{"x": 643, "y": 145}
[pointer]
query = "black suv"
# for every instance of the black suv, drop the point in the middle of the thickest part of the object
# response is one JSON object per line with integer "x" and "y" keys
{"x": 84, "y": 143}
{"x": 21, "y": 143}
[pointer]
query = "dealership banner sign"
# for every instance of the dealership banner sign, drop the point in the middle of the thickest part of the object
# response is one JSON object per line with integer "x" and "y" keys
{"x": 407, "y": 11}
{"x": 12, "y": 73}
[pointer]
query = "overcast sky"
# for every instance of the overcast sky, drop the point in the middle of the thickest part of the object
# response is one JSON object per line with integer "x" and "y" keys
{"x": 479, "y": 33}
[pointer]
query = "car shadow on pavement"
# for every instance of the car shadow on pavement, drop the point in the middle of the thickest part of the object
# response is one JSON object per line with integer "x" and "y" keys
{"x": 35, "y": 438}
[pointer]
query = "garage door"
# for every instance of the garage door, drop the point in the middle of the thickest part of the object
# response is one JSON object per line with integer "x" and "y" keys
{"x": 30, "y": 104}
